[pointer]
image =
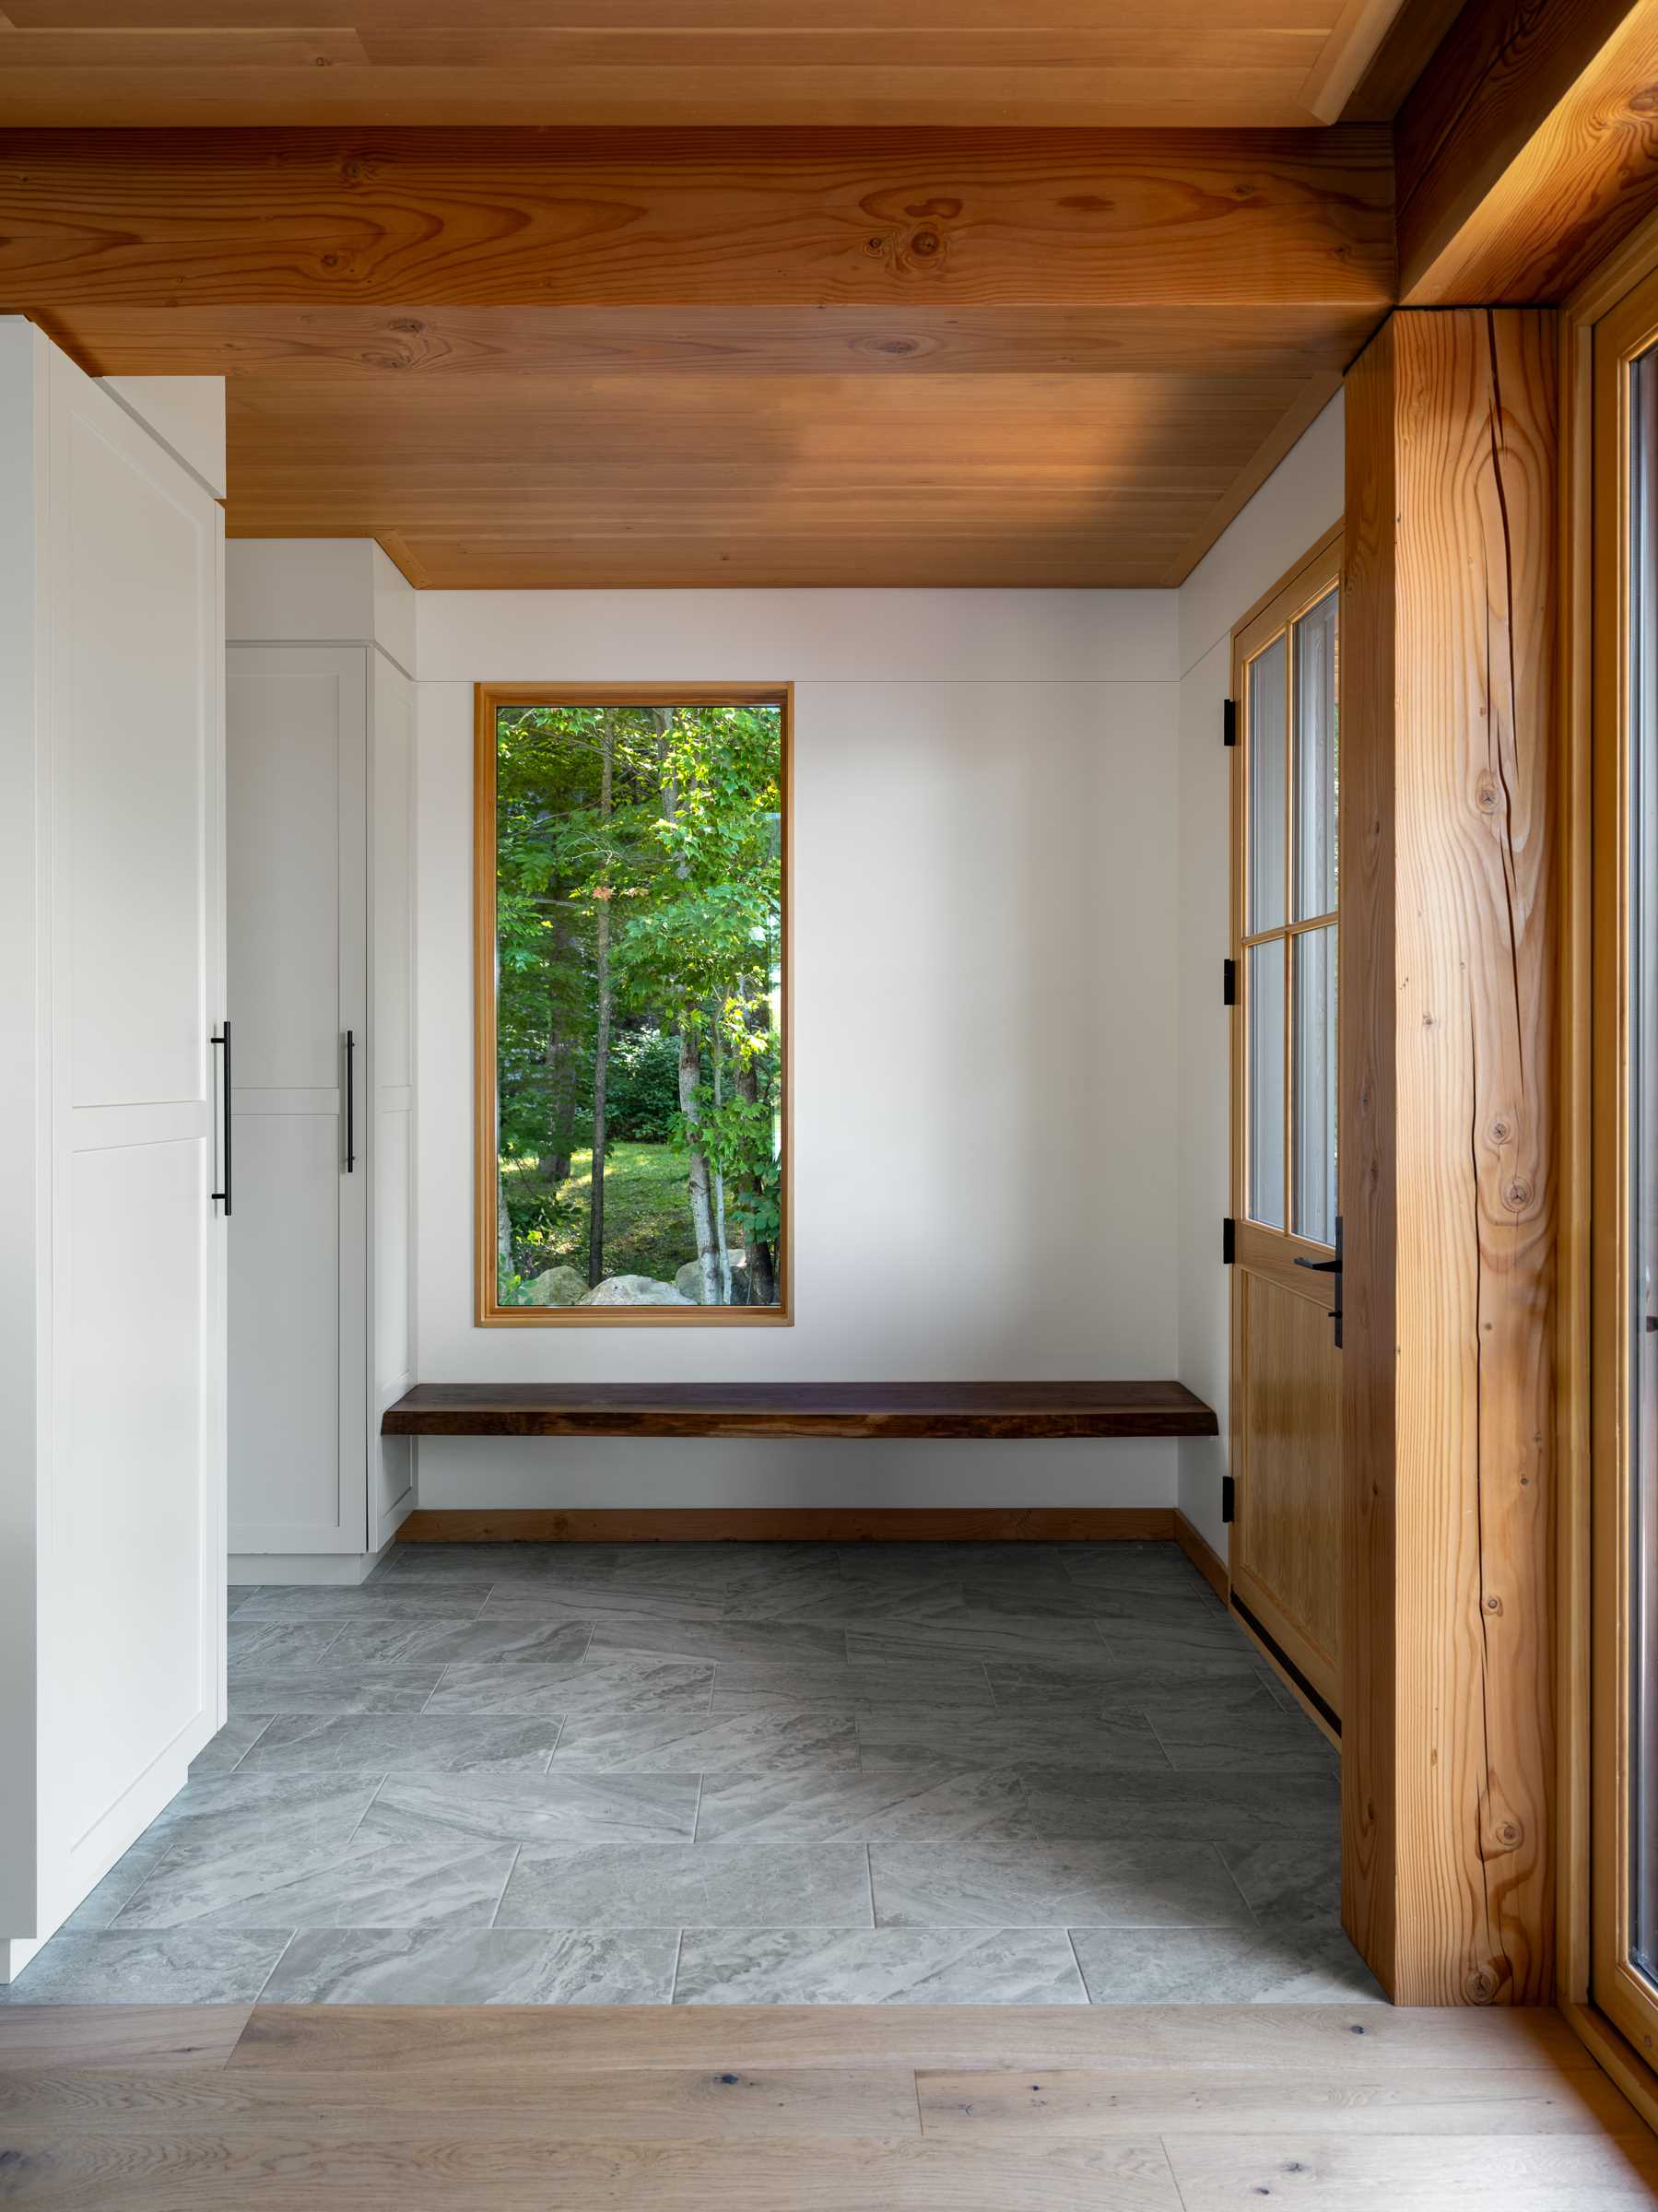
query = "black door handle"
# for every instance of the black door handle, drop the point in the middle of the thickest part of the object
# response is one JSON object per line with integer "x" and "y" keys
{"x": 351, "y": 1103}
{"x": 1329, "y": 1267}
{"x": 222, "y": 1041}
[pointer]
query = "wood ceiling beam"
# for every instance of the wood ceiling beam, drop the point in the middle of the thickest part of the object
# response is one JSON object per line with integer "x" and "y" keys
{"x": 1527, "y": 149}
{"x": 348, "y": 344}
{"x": 926, "y": 221}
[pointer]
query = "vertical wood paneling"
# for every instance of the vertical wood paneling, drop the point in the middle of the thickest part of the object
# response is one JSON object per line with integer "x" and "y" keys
{"x": 1449, "y": 1173}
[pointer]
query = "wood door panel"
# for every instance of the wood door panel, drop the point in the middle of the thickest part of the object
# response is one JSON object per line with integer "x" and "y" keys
{"x": 1287, "y": 1535}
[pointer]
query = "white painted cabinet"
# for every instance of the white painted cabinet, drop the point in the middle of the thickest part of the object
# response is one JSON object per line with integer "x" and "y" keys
{"x": 111, "y": 1242}
{"x": 320, "y": 779}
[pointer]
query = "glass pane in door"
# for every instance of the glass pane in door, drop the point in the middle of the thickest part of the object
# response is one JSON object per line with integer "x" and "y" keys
{"x": 1263, "y": 1014}
{"x": 1314, "y": 1033}
{"x": 1643, "y": 1165}
{"x": 1315, "y": 761}
{"x": 1268, "y": 738}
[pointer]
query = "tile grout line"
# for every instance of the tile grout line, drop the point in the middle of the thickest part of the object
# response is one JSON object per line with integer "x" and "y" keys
{"x": 364, "y": 1814}
{"x": 236, "y": 1762}
{"x": 1162, "y": 1747}
{"x": 291, "y": 1939}
{"x": 1254, "y": 1918}
{"x": 506, "y": 1885}
{"x": 1087, "y": 1994}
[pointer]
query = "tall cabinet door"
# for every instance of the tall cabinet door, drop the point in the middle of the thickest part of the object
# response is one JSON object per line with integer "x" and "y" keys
{"x": 392, "y": 1072}
{"x": 297, "y": 722}
{"x": 130, "y": 1597}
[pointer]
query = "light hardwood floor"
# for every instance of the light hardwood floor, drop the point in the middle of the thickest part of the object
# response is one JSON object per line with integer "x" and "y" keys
{"x": 834, "y": 2108}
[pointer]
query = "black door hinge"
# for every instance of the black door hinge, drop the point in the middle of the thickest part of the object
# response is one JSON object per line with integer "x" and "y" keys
{"x": 1229, "y": 983}
{"x": 1228, "y": 1497}
{"x": 1228, "y": 1241}
{"x": 1229, "y": 721}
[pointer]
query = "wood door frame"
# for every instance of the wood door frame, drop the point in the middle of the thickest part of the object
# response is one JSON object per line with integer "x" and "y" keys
{"x": 1301, "y": 586}
{"x": 1592, "y": 975}
{"x": 488, "y": 1312}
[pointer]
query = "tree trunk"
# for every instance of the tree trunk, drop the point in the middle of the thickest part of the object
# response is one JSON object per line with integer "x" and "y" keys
{"x": 690, "y": 1076}
{"x": 690, "y": 1073}
{"x": 762, "y": 1265}
{"x": 503, "y": 1222}
{"x": 553, "y": 1163}
{"x": 601, "y": 1054}
{"x": 721, "y": 1247}
{"x": 562, "y": 1024}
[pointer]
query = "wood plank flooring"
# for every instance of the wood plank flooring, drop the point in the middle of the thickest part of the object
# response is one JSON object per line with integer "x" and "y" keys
{"x": 811, "y": 2109}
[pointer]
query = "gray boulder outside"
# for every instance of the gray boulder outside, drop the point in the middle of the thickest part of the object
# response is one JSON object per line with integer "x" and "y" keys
{"x": 690, "y": 1281}
{"x": 636, "y": 1290}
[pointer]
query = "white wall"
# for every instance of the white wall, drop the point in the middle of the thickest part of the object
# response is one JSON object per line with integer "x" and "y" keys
{"x": 985, "y": 814}
{"x": 1292, "y": 509}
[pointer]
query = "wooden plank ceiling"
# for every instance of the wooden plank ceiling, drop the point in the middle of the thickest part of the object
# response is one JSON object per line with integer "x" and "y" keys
{"x": 1099, "y": 64}
{"x": 815, "y": 349}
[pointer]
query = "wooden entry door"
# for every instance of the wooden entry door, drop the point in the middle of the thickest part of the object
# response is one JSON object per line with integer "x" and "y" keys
{"x": 1285, "y": 1396}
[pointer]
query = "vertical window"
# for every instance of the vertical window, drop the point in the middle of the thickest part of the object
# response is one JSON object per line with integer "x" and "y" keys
{"x": 632, "y": 1096}
{"x": 1290, "y": 787}
{"x": 1641, "y": 1307}
{"x": 1622, "y": 1608}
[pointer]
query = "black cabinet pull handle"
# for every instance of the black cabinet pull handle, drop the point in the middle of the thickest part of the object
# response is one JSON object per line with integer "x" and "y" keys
{"x": 351, "y": 1103}
{"x": 223, "y": 1043}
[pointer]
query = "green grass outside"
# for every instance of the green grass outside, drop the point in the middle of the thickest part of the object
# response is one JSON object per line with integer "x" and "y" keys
{"x": 647, "y": 1212}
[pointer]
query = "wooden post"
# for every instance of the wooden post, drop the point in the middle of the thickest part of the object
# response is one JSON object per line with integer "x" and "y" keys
{"x": 1448, "y": 1171}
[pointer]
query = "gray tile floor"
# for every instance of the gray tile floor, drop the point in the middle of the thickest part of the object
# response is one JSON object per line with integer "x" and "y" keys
{"x": 736, "y": 1774}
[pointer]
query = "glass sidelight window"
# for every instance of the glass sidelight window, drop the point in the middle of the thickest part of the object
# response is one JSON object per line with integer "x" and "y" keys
{"x": 1290, "y": 787}
{"x": 1642, "y": 1506}
{"x": 1622, "y": 1597}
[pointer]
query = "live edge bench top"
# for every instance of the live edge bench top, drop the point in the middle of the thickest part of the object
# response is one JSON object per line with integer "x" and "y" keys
{"x": 849, "y": 1409}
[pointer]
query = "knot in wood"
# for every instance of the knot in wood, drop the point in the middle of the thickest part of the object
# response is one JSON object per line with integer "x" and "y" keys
{"x": 1509, "y": 1834}
{"x": 1485, "y": 795}
{"x": 926, "y": 244}
{"x": 1480, "y": 1987}
{"x": 1493, "y": 1605}
{"x": 1517, "y": 1193}
{"x": 1501, "y": 1131}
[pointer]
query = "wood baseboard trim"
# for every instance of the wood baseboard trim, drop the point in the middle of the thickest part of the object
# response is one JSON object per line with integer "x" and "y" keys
{"x": 1207, "y": 1562}
{"x": 792, "y": 1524}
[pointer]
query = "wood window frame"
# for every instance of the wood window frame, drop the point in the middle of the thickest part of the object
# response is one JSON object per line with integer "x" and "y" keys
{"x": 1276, "y": 611}
{"x": 488, "y": 1312}
{"x": 1618, "y": 301}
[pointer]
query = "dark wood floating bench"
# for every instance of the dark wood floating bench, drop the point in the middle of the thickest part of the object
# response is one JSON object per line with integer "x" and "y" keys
{"x": 848, "y": 1409}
